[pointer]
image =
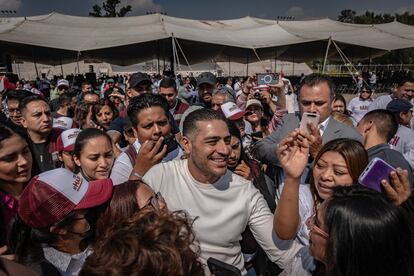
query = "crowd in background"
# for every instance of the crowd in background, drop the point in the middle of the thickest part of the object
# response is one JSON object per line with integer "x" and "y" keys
{"x": 159, "y": 175}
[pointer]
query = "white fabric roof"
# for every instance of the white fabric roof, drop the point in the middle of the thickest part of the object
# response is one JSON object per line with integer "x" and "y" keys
{"x": 62, "y": 36}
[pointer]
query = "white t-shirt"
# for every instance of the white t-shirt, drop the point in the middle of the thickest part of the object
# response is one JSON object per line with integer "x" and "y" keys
{"x": 358, "y": 108}
{"x": 122, "y": 168}
{"x": 222, "y": 211}
{"x": 380, "y": 102}
{"x": 403, "y": 142}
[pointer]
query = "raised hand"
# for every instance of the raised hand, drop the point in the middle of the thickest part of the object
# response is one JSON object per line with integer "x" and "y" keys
{"x": 149, "y": 154}
{"x": 315, "y": 139}
{"x": 293, "y": 154}
{"x": 244, "y": 171}
{"x": 399, "y": 189}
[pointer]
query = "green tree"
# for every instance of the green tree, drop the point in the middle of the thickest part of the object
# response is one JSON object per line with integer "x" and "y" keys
{"x": 109, "y": 7}
{"x": 347, "y": 16}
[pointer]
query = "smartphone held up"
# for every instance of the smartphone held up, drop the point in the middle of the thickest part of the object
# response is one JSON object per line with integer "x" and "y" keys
{"x": 309, "y": 118}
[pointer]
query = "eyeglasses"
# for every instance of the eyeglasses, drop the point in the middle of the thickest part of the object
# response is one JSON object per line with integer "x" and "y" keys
{"x": 310, "y": 223}
{"x": 154, "y": 201}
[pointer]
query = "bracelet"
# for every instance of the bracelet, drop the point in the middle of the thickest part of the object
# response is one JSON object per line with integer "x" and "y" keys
{"x": 134, "y": 173}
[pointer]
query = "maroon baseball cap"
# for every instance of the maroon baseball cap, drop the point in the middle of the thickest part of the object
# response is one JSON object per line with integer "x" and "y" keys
{"x": 51, "y": 196}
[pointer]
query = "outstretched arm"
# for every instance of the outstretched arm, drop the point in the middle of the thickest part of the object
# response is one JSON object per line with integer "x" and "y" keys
{"x": 293, "y": 153}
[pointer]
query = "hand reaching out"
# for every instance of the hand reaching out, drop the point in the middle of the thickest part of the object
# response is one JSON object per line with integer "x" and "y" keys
{"x": 293, "y": 154}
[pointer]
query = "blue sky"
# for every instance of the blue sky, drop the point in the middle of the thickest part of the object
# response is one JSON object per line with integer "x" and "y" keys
{"x": 215, "y": 9}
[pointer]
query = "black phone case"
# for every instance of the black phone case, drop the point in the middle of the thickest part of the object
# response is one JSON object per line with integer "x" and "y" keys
{"x": 219, "y": 268}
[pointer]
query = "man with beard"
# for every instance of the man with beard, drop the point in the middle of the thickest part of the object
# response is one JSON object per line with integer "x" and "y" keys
{"x": 223, "y": 202}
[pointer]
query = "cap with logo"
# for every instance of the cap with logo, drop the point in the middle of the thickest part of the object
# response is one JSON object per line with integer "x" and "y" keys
{"x": 137, "y": 78}
{"x": 52, "y": 195}
{"x": 62, "y": 83}
{"x": 66, "y": 140}
{"x": 206, "y": 77}
{"x": 399, "y": 105}
{"x": 231, "y": 111}
{"x": 62, "y": 122}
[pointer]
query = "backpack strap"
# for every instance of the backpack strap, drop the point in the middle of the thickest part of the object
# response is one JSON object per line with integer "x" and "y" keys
{"x": 132, "y": 154}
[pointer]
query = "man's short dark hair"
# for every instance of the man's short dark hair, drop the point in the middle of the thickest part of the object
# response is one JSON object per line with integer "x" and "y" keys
{"x": 316, "y": 79}
{"x": 404, "y": 80}
{"x": 168, "y": 82}
{"x": 385, "y": 121}
{"x": 203, "y": 114}
{"x": 143, "y": 101}
{"x": 85, "y": 83}
{"x": 18, "y": 95}
{"x": 64, "y": 99}
{"x": 25, "y": 101}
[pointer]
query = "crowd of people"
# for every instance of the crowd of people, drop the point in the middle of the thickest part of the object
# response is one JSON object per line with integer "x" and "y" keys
{"x": 200, "y": 176}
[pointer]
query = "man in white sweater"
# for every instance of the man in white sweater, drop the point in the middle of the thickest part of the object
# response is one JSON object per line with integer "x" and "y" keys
{"x": 222, "y": 203}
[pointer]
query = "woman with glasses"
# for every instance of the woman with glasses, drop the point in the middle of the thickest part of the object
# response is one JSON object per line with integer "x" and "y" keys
{"x": 358, "y": 106}
{"x": 338, "y": 163}
{"x": 359, "y": 232}
{"x": 55, "y": 224}
{"x": 128, "y": 199}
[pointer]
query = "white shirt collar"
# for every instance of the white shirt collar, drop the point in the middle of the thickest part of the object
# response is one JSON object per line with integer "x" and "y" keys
{"x": 323, "y": 125}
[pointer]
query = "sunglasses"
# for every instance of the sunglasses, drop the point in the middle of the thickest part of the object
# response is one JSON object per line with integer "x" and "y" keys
{"x": 154, "y": 201}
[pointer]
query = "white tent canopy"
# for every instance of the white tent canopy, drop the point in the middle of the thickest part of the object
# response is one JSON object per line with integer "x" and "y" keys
{"x": 57, "y": 38}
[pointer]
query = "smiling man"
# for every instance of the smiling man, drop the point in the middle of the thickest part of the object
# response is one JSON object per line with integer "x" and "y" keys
{"x": 221, "y": 202}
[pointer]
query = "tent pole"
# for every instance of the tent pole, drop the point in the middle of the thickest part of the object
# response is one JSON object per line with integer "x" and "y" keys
{"x": 275, "y": 60}
{"x": 326, "y": 55}
{"x": 35, "y": 65}
{"x": 229, "y": 67}
{"x": 77, "y": 61}
{"x": 61, "y": 66}
{"x": 247, "y": 67}
{"x": 172, "y": 58}
{"x": 158, "y": 57}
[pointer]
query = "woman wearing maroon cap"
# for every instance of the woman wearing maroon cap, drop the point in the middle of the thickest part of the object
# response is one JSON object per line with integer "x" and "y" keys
{"x": 56, "y": 221}
{"x": 15, "y": 172}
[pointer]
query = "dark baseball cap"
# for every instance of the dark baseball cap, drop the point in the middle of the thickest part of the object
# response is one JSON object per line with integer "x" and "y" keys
{"x": 206, "y": 77}
{"x": 137, "y": 78}
{"x": 399, "y": 105}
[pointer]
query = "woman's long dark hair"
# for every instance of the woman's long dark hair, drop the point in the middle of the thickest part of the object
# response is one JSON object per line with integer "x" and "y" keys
{"x": 368, "y": 235}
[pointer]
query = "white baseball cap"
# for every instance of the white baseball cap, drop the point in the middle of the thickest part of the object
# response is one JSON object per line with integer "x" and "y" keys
{"x": 62, "y": 122}
{"x": 52, "y": 195}
{"x": 66, "y": 140}
{"x": 62, "y": 83}
{"x": 232, "y": 111}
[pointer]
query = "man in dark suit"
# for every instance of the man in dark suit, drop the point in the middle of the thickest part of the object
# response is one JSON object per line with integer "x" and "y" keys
{"x": 315, "y": 96}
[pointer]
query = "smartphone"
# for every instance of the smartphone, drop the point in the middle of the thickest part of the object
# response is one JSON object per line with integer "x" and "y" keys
{"x": 267, "y": 79}
{"x": 219, "y": 268}
{"x": 376, "y": 170}
{"x": 170, "y": 142}
{"x": 307, "y": 118}
{"x": 257, "y": 134}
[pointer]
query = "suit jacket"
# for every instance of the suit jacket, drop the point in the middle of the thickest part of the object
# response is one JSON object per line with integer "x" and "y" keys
{"x": 266, "y": 148}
